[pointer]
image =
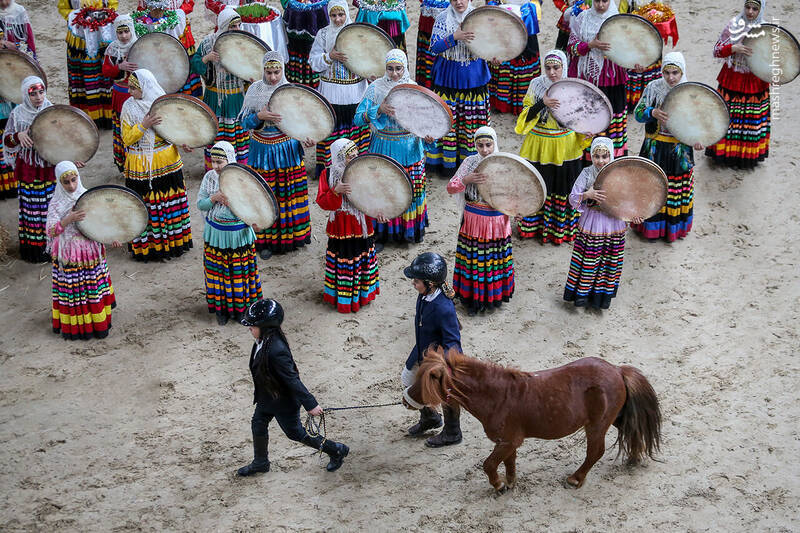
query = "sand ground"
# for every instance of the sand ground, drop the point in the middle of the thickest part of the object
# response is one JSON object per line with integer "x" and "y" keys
{"x": 144, "y": 430}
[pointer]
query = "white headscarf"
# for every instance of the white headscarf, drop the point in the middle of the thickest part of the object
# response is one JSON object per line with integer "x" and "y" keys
{"x": 736, "y": 30}
{"x": 381, "y": 87}
{"x": 657, "y": 89}
{"x": 608, "y": 144}
{"x": 134, "y": 111}
{"x": 585, "y": 26}
{"x": 70, "y": 241}
{"x": 260, "y": 92}
{"x": 116, "y": 50}
{"x": 469, "y": 165}
{"x": 446, "y": 23}
{"x": 332, "y": 30}
{"x": 20, "y": 120}
{"x": 339, "y": 150}
{"x": 539, "y": 86}
{"x": 210, "y": 183}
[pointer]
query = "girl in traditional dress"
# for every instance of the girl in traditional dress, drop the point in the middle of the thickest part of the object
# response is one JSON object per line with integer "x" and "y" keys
{"x": 159, "y": 16}
{"x": 15, "y": 34}
{"x": 303, "y": 20}
{"x": 224, "y": 92}
{"x": 460, "y": 80}
{"x": 594, "y": 68}
{"x": 351, "y": 266}
{"x": 389, "y": 15}
{"x": 117, "y": 67}
{"x": 229, "y": 254}
{"x": 483, "y": 275}
{"x": 279, "y": 160}
{"x": 82, "y": 293}
{"x": 556, "y": 153}
{"x": 510, "y": 79}
{"x": 154, "y": 169}
{"x": 34, "y": 174}
{"x": 427, "y": 16}
{"x": 338, "y": 85}
{"x": 596, "y": 264}
{"x": 747, "y": 141}
{"x": 568, "y": 8}
{"x": 390, "y": 139}
{"x": 674, "y": 220}
{"x": 89, "y": 90}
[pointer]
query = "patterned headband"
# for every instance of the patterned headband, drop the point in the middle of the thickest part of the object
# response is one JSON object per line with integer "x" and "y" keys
{"x": 552, "y": 60}
{"x": 35, "y": 87}
{"x": 133, "y": 82}
{"x": 352, "y": 149}
{"x": 272, "y": 63}
{"x": 218, "y": 153}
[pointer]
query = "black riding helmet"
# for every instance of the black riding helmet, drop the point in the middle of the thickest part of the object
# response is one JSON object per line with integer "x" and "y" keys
{"x": 265, "y": 313}
{"x": 428, "y": 266}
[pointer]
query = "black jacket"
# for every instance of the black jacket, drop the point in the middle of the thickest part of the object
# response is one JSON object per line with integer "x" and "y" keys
{"x": 435, "y": 323}
{"x": 280, "y": 376}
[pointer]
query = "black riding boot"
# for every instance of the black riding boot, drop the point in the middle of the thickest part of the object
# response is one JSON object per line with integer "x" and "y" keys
{"x": 260, "y": 458}
{"x": 428, "y": 419}
{"x": 451, "y": 434}
{"x": 335, "y": 450}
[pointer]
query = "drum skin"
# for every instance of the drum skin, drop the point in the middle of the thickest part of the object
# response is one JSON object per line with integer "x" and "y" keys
{"x": 697, "y": 114}
{"x": 380, "y": 185}
{"x": 774, "y": 49}
{"x": 304, "y": 112}
{"x": 633, "y": 40}
{"x": 582, "y": 106}
{"x": 185, "y": 120}
{"x": 15, "y": 67}
{"x": 365, "y": 46}
{"x": 249, "y": 196}
{"x": 241, "y": 53}
{"x": 165, "y": 57}
{"x": 499, "y": 33}
{"x": 64, "y": 133}
{"x": 515, "y": 187}
{"x": 634, "y": 187}
{"x": 420, "y": 110}
{"x": 113, "y": 213}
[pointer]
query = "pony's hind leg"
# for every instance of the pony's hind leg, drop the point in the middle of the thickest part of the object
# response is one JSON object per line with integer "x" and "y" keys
{"x": 595, "y": 448}
{"x": 501, "y": 451}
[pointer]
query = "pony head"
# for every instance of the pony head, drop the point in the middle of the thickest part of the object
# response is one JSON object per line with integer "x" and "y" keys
{"x": 434, "y": 383}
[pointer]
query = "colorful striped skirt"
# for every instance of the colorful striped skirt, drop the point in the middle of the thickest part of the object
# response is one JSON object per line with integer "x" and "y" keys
{"x": 351, "y": 265}
{"x": 298, "y": 68}
{"x": 674, "y": 220}
{"x": 424, "y": 56}
{"x": 230, "y": 128}
{"x": 88, "y": 89}
{"x": 119, "y": 95}
{"x": 279, "y": 160}
{"x": 82, "y": 299}
{"x": 556, "y": 221}
{"x": 8, "y": 181}
{"x": 410, "y": 226}
{"x": 169, "y": 233}
{"x": 596, "y": 265}
{"x": 747, "y": 141}
{"x": 618, "y": 129}
{"x": 510, "y": 80}
{"x": 232, "y": 281}
{"x": 344, "y": 128}
{"x": 36, "y": 188}
{"x": 637, "y": 82}
{"x": 470, "y": 109}
{"x": 194, "y": 86}
{"x": 483, "y": 275}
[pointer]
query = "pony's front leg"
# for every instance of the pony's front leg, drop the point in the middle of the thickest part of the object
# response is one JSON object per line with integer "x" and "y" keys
{"x": 499, "y": 454}
{"x": 510, "y": 463}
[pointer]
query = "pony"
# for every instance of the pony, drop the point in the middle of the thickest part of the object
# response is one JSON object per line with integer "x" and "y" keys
{"x": 512, "y": 405}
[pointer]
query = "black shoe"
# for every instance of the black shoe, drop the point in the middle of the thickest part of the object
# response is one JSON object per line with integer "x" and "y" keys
{"x": 265, "y": 254}
{"x": 337, "y": 452}
{"x": 451, "y": 434}
{"x": 428, "y": 419}
{"x": 260, "y": 458}
{"x": 253, "y": 468}
{"x": 222, "y": 319}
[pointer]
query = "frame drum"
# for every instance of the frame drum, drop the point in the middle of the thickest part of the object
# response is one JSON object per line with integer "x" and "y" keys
{"x": 697, "y": 113}
{"x": 64, "y": 133}
{"x": 582, "y": 107}
{"x": 113, "y": 213}
{"x": 304, "y": 112}
{"x": 634, "y": 186}
{"x": 241, "y": 54}
{"x": 499, "y": 33}
{"x": 633, "y": 40}
{"x": 249, "y": 196}
{"x": 380, "y": 185}
{"x": 15, "y": 67}
{"x": 365, "y": 46}
{"x": 773, "y": 48}
{"x": 412, "y": 102}
{"x": 165, "y": 57}
{"x": 515, "y": 187}
{"x": 185, "y": 120}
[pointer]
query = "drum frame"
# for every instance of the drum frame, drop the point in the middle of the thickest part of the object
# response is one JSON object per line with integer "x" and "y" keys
{"x": 425, "y": 91}
{"x": 594, "y": 89}
{"x": 646, "y": 162}
{"x": 747, "y": 40}
{"x": 131, "y": 192}
{"x": 247, "y": 35}
{"x": 385, "y": 158}
{"x": 710, "y": 88}
{"x": 79, "y": 112}
{"x": 313, "y": 92}
{"x": 388, "y": 38}
{"x": 502, "y": 12}
{"x": 188, "y": 62}
{"x": 16, "y": 98}
{"x": 192, "y": 100}
{"x": 652, "y": 27}
{"x": 264, "y": 185}
{"x": 525, "y": 163}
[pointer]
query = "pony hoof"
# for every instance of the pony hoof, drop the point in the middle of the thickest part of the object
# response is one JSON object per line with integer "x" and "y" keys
{"x": 572, "y": 483}
{"x": 502, "y": 489}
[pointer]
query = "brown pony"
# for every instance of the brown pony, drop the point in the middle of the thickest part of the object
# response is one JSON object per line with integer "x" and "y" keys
{"x": 589, "y": 393}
